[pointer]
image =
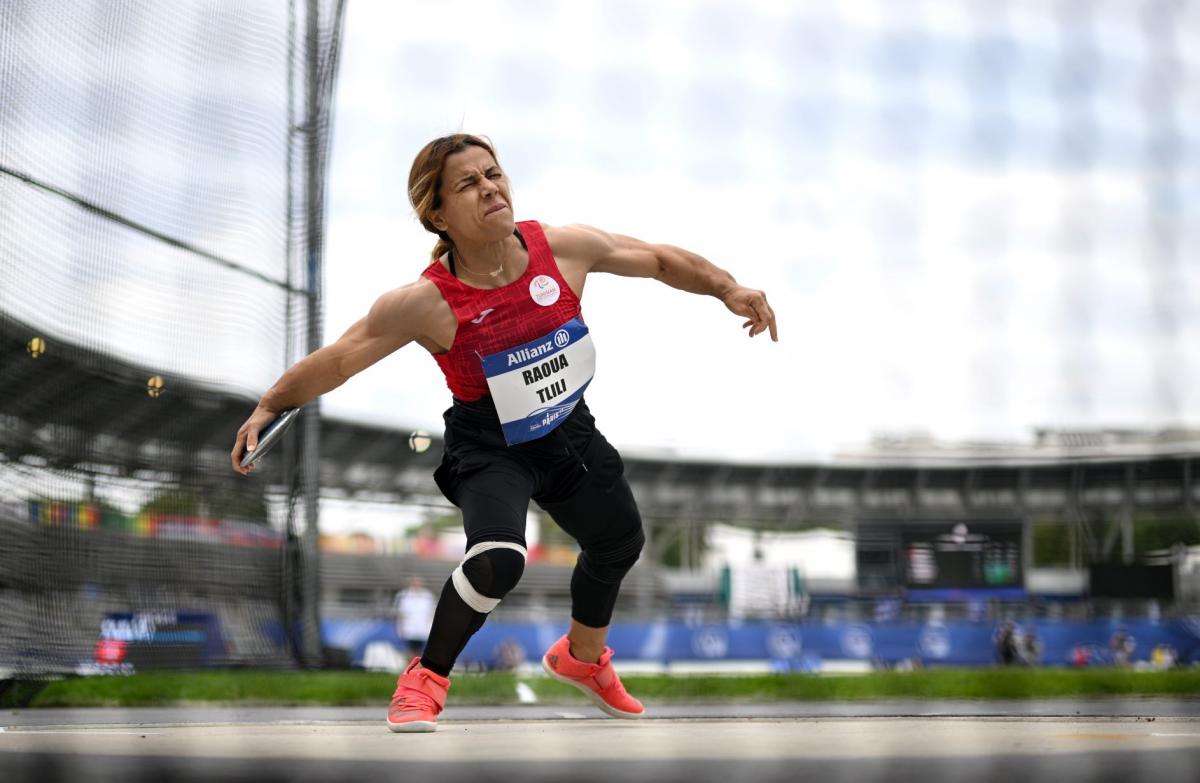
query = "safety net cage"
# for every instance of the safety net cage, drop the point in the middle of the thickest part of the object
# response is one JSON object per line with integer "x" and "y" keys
{"x": 161, "y": 182}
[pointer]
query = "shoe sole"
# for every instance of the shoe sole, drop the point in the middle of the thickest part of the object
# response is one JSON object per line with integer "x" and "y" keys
{"x": 412, "y": 726}
{"x": 591, "y": 694}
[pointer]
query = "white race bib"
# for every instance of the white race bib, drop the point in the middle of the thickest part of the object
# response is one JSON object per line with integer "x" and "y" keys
{"x": 536, "y": 385}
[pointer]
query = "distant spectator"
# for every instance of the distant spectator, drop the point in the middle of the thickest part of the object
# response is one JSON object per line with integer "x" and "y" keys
{"x": 1031, "y": 648}
{"x": 1163, "y": 657}
{"x": 509, "y": 655}
{"x": 1121, "y": 645}
{"x": 413, "y": 608}
{"x": 1006, "y": 644}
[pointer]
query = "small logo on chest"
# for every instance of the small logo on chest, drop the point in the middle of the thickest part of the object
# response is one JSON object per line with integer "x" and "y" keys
{"x": 483, "y": 315}
{"x": 544, "y": 290}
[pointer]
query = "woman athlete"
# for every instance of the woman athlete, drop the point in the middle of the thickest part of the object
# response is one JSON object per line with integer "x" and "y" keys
{"x": 498, "y": 308}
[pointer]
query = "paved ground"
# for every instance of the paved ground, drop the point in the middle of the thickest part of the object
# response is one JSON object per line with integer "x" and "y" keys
{"x": 897, "y": 708}
{"x": 1125, "y": 740}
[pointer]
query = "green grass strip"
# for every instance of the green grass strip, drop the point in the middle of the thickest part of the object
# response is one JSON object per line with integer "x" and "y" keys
{"x": 366, "y": 688}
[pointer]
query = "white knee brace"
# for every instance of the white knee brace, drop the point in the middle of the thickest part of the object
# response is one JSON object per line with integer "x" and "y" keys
{"x": 472, "y": 597}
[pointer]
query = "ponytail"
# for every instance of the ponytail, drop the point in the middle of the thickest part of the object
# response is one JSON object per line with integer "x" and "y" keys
{"x": 443, "y": 244}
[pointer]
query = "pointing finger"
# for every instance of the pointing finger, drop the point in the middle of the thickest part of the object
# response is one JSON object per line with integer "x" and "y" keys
{"x": 767, "y": 315}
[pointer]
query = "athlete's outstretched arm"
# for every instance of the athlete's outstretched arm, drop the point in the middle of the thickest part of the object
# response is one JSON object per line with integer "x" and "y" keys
{"x": 600, "y": 251}
{"x": 393, "y": 322}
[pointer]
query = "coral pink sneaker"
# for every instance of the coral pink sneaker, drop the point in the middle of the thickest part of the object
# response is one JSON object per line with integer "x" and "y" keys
{"x": 419, "y": 697}
{"x": 598, "y": 681}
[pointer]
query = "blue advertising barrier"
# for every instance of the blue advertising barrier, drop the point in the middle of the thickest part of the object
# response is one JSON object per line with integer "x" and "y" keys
{"x": 135, "y": 641}
{"x": 798, "y": 645}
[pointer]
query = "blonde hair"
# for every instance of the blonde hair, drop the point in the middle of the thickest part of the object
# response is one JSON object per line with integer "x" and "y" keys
{"x": 425, "y": 179}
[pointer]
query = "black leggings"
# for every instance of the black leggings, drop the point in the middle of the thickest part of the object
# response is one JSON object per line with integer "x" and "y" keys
{"x": 574, "y": 474}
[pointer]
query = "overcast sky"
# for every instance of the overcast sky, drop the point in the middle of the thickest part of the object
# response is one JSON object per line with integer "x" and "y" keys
{"x": 964, "y": 220}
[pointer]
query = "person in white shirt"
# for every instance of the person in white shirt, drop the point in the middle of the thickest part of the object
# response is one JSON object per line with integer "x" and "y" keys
{"x": 414, "y": 607}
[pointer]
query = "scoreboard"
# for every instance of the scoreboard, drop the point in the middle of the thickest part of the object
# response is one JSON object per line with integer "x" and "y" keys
{"x": 963, "y": 556}
{"x": 941, "y": 555}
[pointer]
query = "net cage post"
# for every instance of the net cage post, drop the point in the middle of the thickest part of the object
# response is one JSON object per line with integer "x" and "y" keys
{"x": 321, "y": 69}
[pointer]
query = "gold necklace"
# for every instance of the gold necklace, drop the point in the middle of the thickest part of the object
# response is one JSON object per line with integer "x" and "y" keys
{"x": 469, "y": 270}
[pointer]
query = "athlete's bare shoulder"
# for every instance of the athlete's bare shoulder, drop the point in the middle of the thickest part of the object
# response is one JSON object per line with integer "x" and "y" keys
{"x": 578, "y": 243}
{"x": 407, "y": 308}
{"x": 589, "y": 249}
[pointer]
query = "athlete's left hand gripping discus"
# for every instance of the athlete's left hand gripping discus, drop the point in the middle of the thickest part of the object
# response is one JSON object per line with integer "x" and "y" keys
{"x": 272, "y": 434}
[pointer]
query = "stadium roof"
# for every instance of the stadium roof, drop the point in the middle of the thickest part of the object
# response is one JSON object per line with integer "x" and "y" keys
{"x": 1048, "y": 446}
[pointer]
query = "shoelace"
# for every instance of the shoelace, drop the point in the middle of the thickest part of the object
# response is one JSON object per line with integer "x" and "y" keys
{"x": 406, "y": 698}
{"x": 616, "y": 685}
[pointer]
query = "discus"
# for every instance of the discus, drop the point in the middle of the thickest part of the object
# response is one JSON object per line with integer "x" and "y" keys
{"x": 272, "y": 434}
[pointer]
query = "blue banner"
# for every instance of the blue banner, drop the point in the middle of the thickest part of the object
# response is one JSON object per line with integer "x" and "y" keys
{"x": 798, "y": 645}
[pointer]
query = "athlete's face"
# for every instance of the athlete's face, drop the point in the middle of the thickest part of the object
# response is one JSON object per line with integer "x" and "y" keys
{"x": 476, "y": 204}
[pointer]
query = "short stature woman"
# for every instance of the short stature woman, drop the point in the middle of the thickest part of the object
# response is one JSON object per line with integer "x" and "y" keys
{"x": 498, "y": 308}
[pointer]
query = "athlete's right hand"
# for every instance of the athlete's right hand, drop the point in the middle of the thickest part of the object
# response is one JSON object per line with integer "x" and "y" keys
{"x": 247, "y": 437}
{"x": 752, "y": 304}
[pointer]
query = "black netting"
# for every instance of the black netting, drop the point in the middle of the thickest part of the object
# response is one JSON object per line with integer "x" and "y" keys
{"x": 161, "y": 175}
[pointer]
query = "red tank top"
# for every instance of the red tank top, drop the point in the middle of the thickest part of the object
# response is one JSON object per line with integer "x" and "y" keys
{"x": 495, "y": 319}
